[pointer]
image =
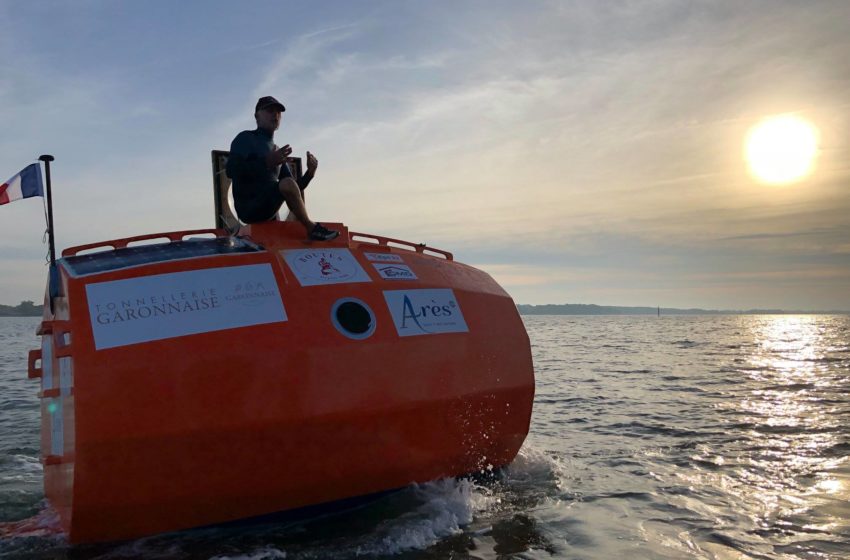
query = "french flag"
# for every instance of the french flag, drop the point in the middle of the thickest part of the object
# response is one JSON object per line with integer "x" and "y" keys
{"x": 25, "y": 184}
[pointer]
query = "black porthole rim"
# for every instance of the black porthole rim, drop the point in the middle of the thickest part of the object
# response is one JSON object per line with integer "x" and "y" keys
{"x": 350, "y": 333}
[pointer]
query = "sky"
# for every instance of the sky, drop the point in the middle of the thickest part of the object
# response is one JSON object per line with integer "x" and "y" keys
{"x": 578, "y": 151}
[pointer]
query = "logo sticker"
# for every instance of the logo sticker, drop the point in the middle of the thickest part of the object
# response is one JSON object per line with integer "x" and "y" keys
{"x": 394, "y": 271}
{"x": 318, "y": 267}
{"x": 417, "y": 312}
{"x": 384, "y": 257}
{"x": 164, "y": 306}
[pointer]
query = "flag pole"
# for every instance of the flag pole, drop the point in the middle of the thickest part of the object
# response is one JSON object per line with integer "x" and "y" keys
{"x": 47, "y": 159}
{"x": 53, "y": 272}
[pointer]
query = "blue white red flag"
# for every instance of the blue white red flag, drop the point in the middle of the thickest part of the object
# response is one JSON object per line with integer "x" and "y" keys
{"x": 25, "y": 184}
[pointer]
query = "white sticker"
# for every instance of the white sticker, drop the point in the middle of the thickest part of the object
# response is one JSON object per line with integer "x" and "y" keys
{"x": 164, "y": 306}
{"x": 66, "y": 375}
{"x": 394, "y": 271}
{"x": 57, "y": 426}
{"x": 384, "y": 257}
{"x": 416, "y": 312}
{"x": 319, "y": 267}
{"x": 47, "y": 361}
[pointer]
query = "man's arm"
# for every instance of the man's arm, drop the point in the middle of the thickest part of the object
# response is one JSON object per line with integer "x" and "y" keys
{"x": 304, "y": 180}
{"x": 312, "y": 165}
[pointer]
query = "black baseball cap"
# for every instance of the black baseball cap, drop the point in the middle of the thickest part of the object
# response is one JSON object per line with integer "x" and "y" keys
{"x": 269, "y": 101}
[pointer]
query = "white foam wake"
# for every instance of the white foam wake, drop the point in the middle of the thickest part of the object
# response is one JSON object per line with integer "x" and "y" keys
{"x": 263, "y": 554}
{"x": 448, "y": 505}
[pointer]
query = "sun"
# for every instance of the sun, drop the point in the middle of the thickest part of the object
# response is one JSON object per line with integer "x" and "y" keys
{"x": 781, "y": 149}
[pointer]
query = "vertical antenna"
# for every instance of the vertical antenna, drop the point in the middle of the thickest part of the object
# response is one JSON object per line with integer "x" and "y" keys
{"x": 53, "y": 272}
{"x": 47, "y": 159}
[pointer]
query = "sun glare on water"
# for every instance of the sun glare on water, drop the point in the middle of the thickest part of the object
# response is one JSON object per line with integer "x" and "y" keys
{"x": 781, "y": 149}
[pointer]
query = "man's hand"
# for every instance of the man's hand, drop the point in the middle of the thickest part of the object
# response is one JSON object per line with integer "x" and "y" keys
{"x": 312, "y": 164}
{"x": 277, "y": 157}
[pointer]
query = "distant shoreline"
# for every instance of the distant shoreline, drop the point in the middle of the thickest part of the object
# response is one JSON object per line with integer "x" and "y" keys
{"x": 590, "y": 309}
{"x": 23, "y": 309}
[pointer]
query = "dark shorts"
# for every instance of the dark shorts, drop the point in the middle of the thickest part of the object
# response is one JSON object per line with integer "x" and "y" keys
{"x": 262, "y": 206}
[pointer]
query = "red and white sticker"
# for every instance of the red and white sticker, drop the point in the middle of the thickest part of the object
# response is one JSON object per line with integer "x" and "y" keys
{"x": 320, "y": 267}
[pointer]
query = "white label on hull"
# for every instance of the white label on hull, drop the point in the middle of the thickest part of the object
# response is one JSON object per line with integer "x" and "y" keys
{"x": 57, "y": 426}
{"x": 384, "y": 257}
{"x": 319, "y": 267}
{"x": 417, "y": 312}
{"x": 66, "y": 375}
{"x": 389, "y": 271}
{"x": 47, "y": 361}
{"x": 165, "y": 306}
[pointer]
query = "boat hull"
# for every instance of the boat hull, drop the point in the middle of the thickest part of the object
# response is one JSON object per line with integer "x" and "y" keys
{"x": 161, "y": 432}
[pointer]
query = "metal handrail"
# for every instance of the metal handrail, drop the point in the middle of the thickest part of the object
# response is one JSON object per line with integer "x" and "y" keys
{"x": 385, "y": 242}
{"x": 172, "y": 236}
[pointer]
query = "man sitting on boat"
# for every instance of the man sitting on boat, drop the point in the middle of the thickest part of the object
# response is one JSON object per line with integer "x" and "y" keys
{"x": 261, "y": 180}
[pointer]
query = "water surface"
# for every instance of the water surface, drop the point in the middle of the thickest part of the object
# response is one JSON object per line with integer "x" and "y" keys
{"x": 671, "y": 437}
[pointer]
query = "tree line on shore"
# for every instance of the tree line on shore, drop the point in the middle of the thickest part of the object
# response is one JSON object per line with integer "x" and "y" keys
{"x": 23, "y": 309}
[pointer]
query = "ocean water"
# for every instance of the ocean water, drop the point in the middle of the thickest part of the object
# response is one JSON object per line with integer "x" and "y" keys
{"x": 721, "y": 437}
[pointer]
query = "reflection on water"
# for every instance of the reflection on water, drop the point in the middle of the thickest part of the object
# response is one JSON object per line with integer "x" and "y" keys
{"x": 707, "y": 437}
{"x": 791, "y": 482}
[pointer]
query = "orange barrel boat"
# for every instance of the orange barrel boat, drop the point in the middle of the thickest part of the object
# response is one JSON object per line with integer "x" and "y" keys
{"x": 194, "y": 378}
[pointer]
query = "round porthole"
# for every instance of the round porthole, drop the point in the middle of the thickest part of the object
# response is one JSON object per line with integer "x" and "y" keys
{"x": 353, "y": 318}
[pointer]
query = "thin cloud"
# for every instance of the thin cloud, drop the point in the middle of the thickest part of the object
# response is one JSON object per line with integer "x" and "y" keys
{"x": 830, "y": 232}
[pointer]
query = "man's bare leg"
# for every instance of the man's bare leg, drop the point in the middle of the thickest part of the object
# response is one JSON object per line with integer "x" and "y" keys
{"x": 292, "y": 195}
{"x": 290, "y": 217}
